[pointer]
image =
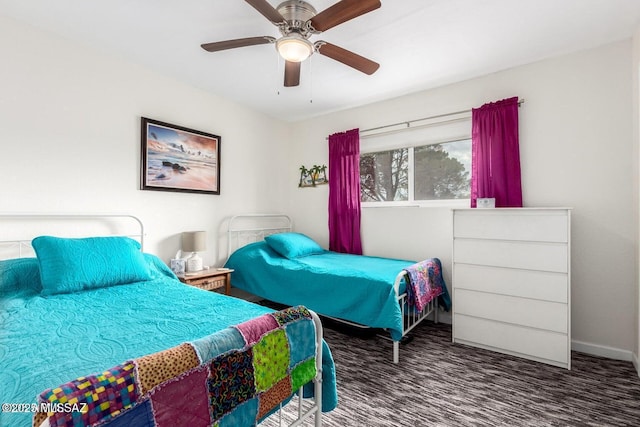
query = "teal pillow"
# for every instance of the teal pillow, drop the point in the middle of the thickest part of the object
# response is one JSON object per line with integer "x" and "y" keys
{"x": 71, "y": 265}
{"x": 293, "y": 245}
{"x": 157, "y": 268}
{"x": 19, "y": 275}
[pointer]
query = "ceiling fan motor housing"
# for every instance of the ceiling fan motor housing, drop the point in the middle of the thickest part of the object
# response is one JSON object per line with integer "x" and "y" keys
{"x": 296, "y": 13}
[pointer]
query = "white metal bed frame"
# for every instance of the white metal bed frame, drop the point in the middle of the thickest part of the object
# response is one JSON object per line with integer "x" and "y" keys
{"x": 108, "y": 224}
{"x": 245, "y": 228}
{"x": 19, "y": 246}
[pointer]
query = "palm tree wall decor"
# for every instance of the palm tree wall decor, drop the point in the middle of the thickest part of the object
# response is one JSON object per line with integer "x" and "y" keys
{"x": 316, "y": 175}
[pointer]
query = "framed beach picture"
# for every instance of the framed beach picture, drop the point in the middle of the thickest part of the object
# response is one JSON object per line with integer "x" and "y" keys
{"x": 175, "y": 158}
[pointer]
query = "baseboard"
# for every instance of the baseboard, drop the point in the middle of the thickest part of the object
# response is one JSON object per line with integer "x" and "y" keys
{"x": 603, "y": 351}
{"x": 443, "y": 317}
{"x": 636, "y": 364}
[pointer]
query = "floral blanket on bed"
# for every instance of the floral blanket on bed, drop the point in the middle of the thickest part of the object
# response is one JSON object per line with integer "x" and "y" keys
{"x": 234, "y": 377}
{"x": 426, "y": 283}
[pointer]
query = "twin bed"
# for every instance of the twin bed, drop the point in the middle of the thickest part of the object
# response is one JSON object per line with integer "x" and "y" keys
{"x": 289, "y": 268}
{"x": 93, "y": 330}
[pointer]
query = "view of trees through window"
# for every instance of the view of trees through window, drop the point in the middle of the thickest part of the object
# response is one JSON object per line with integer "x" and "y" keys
{"x": 384, "y": 176}
{"x": 440, "y": 172}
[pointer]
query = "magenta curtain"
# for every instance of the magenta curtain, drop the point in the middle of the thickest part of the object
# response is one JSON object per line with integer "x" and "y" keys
{"x": 344, "y": 192}
{"x": 495, "y": 154}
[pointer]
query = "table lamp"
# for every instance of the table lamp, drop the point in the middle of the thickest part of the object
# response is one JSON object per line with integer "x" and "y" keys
{"x": 194, "y": 242}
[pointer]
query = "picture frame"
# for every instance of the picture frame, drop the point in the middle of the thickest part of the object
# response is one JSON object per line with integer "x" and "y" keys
{"x": 316, "y": 175}
{"x": 176, "y": 158}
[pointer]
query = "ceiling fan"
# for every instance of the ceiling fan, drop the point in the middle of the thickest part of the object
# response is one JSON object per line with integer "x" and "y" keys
{"x": 297, "y": 20}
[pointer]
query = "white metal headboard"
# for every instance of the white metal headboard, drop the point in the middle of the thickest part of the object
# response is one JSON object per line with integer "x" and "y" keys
{"x": 249, "y": 228}
{"x": 18, "y": 229}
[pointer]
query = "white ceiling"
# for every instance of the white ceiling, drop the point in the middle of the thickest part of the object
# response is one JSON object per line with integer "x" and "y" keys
{"x": 420, "y": 44}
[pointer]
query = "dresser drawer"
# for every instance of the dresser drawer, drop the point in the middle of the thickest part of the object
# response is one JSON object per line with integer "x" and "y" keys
{"x": 529, "y": 343}
{"x": 538, "y": 314}
{"x": 535, "y": 225}
{"x": 542, "y": 285}
{"x": 523, "y": 255}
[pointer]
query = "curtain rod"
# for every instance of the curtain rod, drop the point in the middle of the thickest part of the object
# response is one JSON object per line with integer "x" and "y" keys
{"x": 408, "y": 123}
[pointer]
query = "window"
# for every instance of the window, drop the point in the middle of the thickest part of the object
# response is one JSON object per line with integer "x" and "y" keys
{"x": 424, "y": 163}
{"x": 433, "y": 172}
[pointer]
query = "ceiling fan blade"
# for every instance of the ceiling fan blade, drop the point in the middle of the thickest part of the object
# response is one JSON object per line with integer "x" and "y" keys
{"x": 349, "y": 58}
{"x": 341, "y": 12}
{"x": 291, "y": 74}
{"x": 232, "y": 44}
{"x": 266, "y": 10}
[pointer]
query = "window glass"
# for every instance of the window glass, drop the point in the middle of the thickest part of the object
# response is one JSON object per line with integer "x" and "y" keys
{"x": 384, "y": 176}
{"x": 442, "y": 171}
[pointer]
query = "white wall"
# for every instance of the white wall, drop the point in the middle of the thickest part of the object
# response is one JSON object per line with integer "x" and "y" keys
{"x": 70, "y": 141}
{"x": 577, "y": 150}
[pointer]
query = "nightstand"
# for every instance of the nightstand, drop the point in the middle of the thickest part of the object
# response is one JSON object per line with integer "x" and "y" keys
{"x": 209, "y": 280}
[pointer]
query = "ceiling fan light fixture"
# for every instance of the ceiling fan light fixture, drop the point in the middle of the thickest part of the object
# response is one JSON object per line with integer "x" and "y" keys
{"x": 294, "y": 47}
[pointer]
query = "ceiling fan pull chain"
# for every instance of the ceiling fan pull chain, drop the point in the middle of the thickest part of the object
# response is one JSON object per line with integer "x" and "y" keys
{"x": 277, "y": 73}
{"x": 310, "y": 66}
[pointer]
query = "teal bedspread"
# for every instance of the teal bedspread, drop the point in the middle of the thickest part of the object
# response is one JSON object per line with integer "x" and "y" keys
{"x": 350, "y": 287}
{"x": 48, "y": 341}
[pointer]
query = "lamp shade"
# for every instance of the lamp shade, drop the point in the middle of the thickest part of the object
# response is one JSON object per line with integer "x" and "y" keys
{"x": 294, "y": 48}
{"x": 194, "y": 241}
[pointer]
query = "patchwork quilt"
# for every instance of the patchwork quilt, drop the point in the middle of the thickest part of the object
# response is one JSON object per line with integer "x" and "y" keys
{"x": 426, "y": 283}
{"x": 234, "y": 377}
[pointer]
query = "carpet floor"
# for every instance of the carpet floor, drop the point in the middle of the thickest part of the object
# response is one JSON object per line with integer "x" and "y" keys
{"x": 438, "y": 383}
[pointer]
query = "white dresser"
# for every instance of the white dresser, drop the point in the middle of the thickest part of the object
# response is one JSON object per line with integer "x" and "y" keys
{"x": 511, "y": 281}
